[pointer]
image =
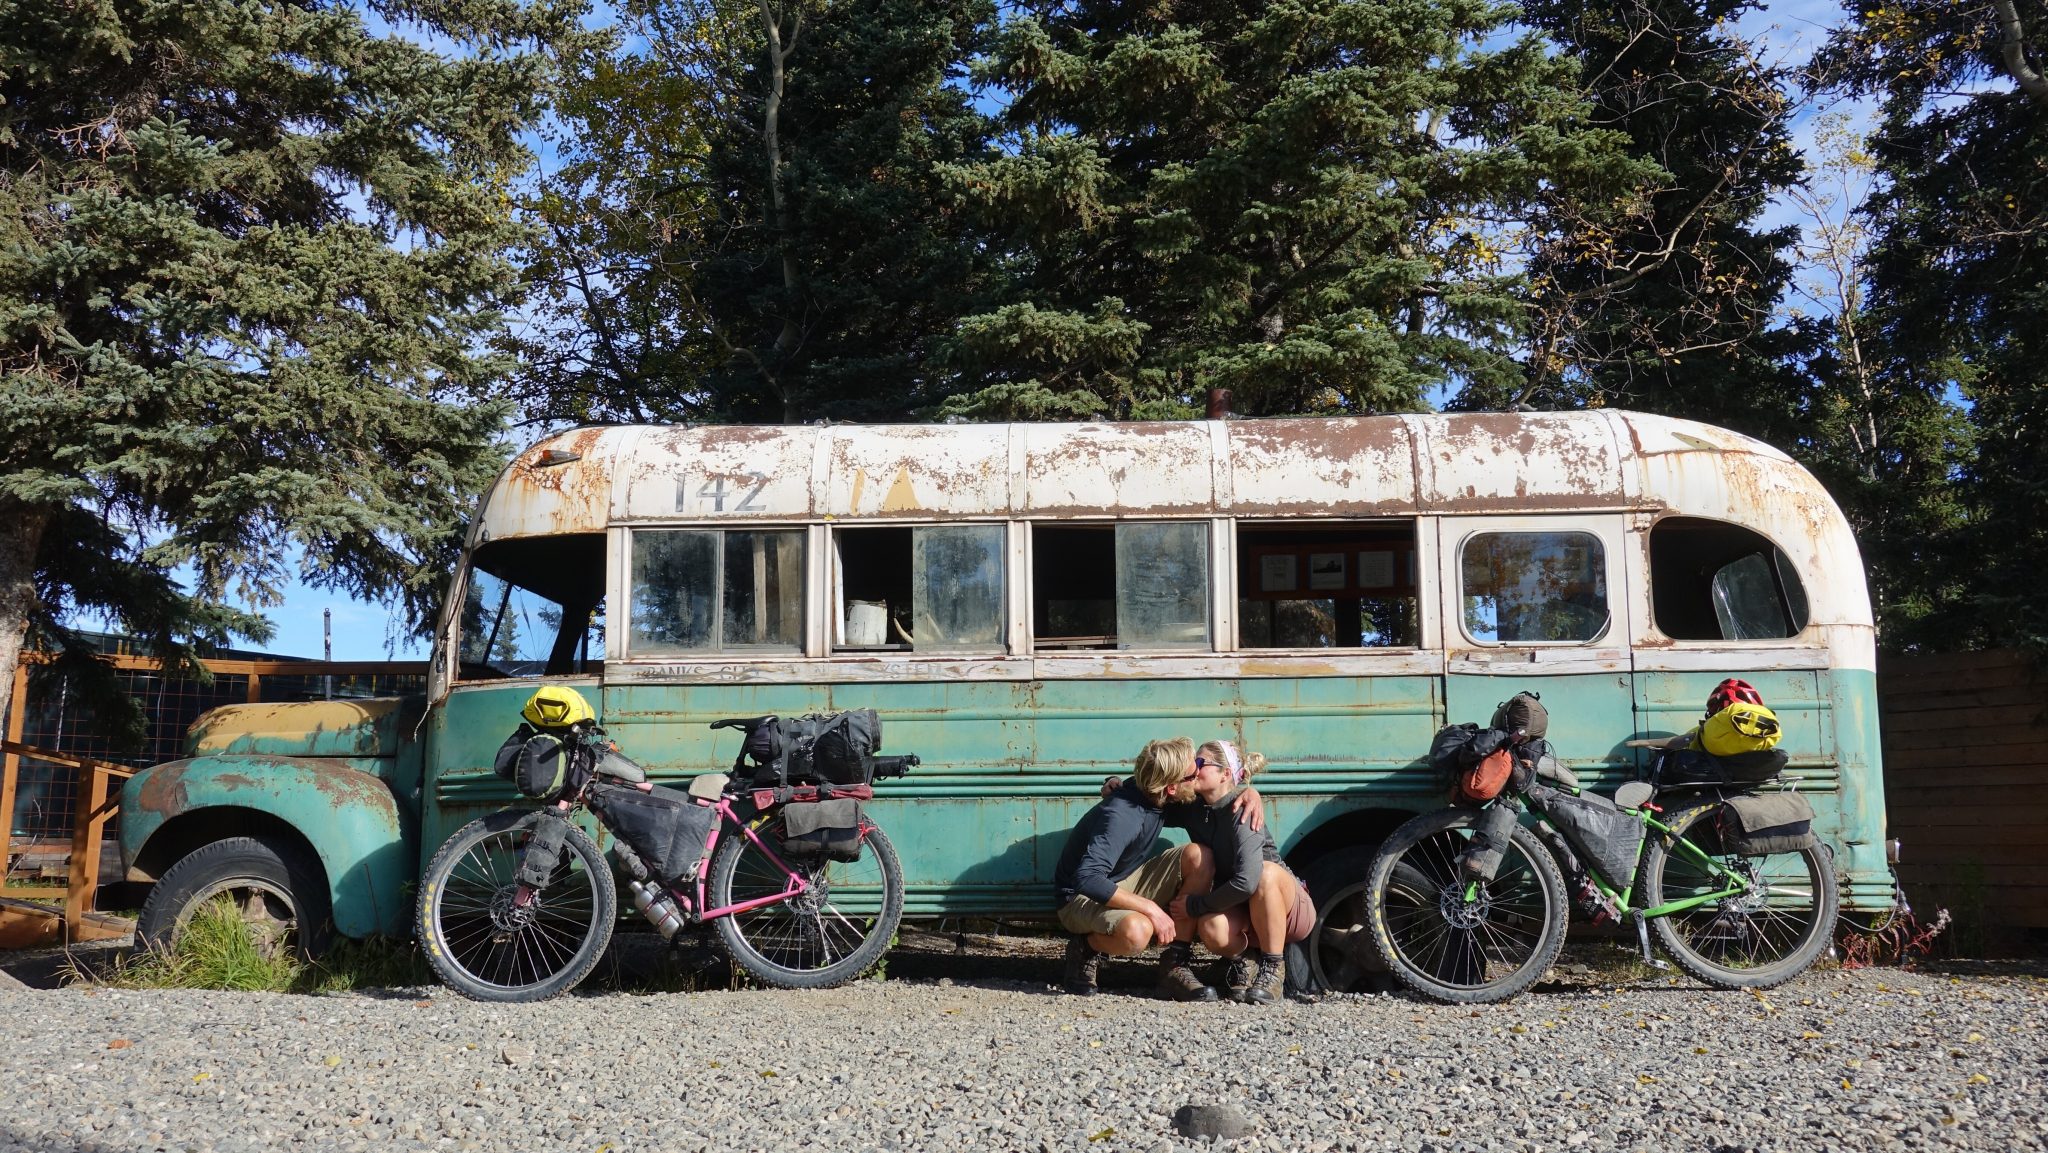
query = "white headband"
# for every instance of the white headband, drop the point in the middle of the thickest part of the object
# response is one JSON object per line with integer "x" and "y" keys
{"x": 1230, "y": 759}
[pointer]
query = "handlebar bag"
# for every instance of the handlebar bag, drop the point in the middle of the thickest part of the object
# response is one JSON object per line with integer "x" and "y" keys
{"x": 1759, "y": 825}
{"x": 543, "y": 765}
{"x": 664, "y": 827}
{"x": 1523, "y": 714}
{"x": 822, "y": 831}
{"x": 1608, "y": 838}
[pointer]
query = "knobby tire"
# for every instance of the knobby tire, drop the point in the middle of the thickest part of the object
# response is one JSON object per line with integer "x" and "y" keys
{"x": 1748, "y": 942}
{"x": 483, "y": 950}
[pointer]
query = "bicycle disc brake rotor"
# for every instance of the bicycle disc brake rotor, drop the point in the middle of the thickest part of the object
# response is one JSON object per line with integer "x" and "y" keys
{"x": 509, "y": 919}
{"x": 1460, "y": 913}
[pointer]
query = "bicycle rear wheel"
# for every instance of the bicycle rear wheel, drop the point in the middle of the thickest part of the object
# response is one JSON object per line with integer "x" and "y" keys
{"x": 485, "y": 946}
{"x": 828, "y": 935}
{"x": 1762, "y": 937}
{"x": 1440, "y": 944}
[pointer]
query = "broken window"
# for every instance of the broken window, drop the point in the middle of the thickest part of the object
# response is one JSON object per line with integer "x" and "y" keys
{"x": 1534, "y": 587}
{"x": 1712, "y": 581}
{"x": 730, "y": 590}
{"x": 533, "y": 607}
{"x": 1140, "y": 585}
{"x": 930, "y": 588}
{"x": 1348, "y": 586}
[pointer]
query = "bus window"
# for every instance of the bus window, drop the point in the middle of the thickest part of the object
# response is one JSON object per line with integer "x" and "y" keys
{"x": 936, "y": 588}
{"x": 1350, "y": 586}
{"x": 533, "y": 607}
{"x": 731, "y": 590}
{"x": 1138, "y": 585}
{"x": 1711, "y": 581}
{"x": 1534, "y": 587}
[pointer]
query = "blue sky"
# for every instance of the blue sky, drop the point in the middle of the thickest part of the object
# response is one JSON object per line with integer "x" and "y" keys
{"x": 1788, "y": 30}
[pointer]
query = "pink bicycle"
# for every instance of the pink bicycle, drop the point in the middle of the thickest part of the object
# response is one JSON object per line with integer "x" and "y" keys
{"x": 803, "y": 887}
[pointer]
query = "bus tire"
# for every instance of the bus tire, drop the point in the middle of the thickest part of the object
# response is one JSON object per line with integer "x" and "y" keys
{"x": 1340, "y": 950}
{"x": 278, "y": 887}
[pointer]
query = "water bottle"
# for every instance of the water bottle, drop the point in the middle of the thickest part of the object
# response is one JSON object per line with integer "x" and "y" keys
{"x": 658, "y": 907}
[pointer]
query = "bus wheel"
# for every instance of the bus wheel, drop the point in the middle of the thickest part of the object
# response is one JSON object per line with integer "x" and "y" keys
{"x": 274, "y": 887}
{"x": 1340, "y": 951}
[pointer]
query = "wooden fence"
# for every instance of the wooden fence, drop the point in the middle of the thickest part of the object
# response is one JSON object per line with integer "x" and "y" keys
{"x": 1966, "y": 788}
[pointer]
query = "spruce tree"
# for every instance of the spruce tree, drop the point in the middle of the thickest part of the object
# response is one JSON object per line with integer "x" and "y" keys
{"x": 751, "y": 225}
{"x": 1317, "y": 204}
{"x": 249, "y": 253}
{"x": 1958, "y": 283}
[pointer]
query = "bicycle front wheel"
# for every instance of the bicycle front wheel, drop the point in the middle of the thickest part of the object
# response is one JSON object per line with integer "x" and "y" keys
{"x": 827, "y": 935}
{"x": 1765, "y": 935}
{"x": 485, "y": 945}
{"x": 1449, "y": 945}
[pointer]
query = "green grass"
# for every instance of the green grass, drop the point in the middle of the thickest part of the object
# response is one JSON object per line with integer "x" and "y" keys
{"x": 216, "y": 951}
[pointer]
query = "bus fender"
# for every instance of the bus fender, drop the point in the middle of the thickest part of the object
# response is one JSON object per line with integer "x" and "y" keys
{"x": 347, "y": 816}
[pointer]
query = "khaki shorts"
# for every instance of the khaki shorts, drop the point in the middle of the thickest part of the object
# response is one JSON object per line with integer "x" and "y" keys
{"x": 1157, "y": 880}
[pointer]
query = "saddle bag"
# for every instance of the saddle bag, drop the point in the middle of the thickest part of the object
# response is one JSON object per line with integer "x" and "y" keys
{"x": 664, "y": 827}
{"x": 1759, "y": 825}
{"x": 823, "y": 748}
{"x": 1608, "y": 838}
{"x": 1691, "y": 768}
{"x": 822, "y": 831}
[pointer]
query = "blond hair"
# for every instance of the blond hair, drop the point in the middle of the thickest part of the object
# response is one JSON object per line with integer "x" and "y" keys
{"x": 1241, "y": 766}
{"x": 1162, "y": 765}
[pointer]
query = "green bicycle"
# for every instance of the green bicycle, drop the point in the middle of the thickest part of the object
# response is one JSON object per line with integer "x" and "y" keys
{"x": 1470, "y": 906}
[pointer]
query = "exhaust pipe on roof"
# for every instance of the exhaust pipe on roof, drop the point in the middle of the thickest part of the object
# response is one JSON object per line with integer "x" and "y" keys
{"x": 1219, "y": 403}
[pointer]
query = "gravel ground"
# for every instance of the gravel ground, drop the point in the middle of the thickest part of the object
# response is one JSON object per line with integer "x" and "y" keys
{"x": 1836, "y": 1060}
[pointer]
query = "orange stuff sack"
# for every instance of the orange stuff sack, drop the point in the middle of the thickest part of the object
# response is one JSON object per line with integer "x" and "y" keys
{"x": 1485, "y": 779}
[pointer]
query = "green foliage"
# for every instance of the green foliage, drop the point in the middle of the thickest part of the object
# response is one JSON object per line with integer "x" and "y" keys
{"x": 1957, "y": 288}
{"x": 753, "y": 230}
{"x": 1316, "y": 204}
{"x": 215, "y": 950}
{"x": 249, "y": 254}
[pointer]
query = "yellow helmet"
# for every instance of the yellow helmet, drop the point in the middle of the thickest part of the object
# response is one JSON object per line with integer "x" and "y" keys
{"x": 555, "y": 707}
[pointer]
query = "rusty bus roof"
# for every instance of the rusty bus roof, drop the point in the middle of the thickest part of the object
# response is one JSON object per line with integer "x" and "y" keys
{"x": 1357, "y": 467}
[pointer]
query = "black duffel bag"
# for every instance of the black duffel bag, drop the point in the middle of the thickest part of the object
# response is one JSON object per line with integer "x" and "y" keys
{"x": 1766, "y": 823}
{"x": 1700, "y": 769}
{"x": 664, "y": 827}
{"x": 823, "y": 748}
{"x": 822, "y": 831}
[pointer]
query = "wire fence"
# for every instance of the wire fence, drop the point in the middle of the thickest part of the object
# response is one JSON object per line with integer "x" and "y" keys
{"x": 41, "y": 798}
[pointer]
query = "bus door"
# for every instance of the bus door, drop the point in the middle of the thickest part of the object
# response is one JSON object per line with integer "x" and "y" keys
{"x": 1542, "y": 603}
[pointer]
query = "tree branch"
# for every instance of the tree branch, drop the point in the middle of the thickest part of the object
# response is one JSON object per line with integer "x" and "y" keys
{"x": 2013, "y": 41}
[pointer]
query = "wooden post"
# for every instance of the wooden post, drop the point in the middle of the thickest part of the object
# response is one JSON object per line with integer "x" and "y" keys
{"x": 10, "y": 764}
{"x": 255, "y": 687}
{"x": 84, "y": 885}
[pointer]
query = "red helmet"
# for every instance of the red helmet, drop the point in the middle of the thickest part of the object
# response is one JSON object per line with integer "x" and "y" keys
{"x": 1729, "y": 692}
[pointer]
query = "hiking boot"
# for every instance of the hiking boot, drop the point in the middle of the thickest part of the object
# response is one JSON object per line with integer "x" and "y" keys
{"x": 1268, "y": 982}
{"x": 1234, "y": 976}
{"x": 1177, "y": 977}
{"x": 1078, "y": 972}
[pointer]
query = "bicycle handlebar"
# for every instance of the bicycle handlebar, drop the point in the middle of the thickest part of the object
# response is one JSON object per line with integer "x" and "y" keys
{"x": 886, "y": 767}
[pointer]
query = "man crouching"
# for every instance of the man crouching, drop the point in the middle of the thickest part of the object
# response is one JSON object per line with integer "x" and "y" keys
{"x": 1112, "y": 898}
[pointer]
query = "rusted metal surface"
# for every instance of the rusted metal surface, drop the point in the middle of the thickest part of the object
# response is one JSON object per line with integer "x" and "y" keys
{"x": 368, "y": 728}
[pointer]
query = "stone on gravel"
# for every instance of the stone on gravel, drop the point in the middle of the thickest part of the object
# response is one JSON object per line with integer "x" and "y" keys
{"x": 1214, "y": 1122}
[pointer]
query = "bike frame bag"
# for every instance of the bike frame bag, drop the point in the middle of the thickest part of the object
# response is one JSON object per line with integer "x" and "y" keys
{"x": 1609, "y": 838}
{"x": 665, "y": 828}
{"x": 1759, "y": 825}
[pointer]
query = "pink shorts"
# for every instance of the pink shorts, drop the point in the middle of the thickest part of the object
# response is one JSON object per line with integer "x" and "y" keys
{"x": 1301, "y": 919}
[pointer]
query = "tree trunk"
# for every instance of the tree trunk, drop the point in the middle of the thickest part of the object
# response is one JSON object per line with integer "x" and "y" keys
{"x": 21, "y": 532}
{"x": 787, "y": 340}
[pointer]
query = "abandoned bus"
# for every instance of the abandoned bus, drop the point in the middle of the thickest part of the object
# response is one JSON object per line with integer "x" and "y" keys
{"x": 1026, "y": 604}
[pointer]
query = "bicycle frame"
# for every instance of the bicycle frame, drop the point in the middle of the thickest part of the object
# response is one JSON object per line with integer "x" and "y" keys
{"x": 1679, "y": 847}
{"x": 796, "y": 884}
